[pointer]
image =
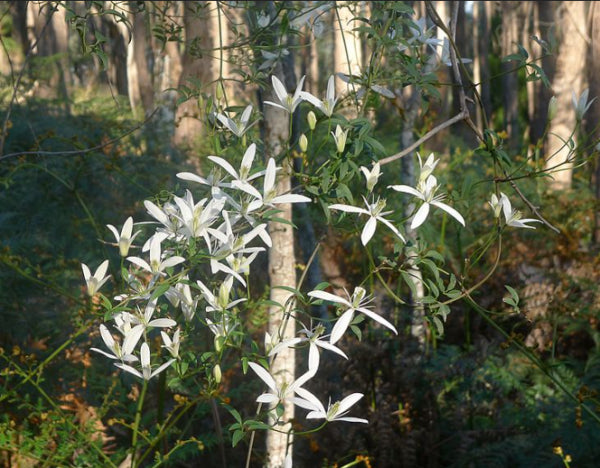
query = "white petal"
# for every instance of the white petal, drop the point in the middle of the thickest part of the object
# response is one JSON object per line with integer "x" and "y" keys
{"x": 378, "y": 318}
{"x": 156, "y": 212}
{"x": 111, "y": 356}
{"x": 329, "y": 297}
{"x": 407, "y": 189}
{"x": 279, "y": 89}
{"x": 140, "y": 262}
{"x": 145, "y": 355}
{"x": 225, "y": 165}
{"x": 392, "y": 227}
{"x": 127, "y": 228}
{"x": 245, "y": 118}
{"x": 420, "y": 216}
{"x": 114, "y": 231}
{"x": 101, "y": 271}
{"x": 349, "y": 401}
{"x": 130, "y": 369}
{"x": 162, "y": 323}
{"x": 290, "y": 198}
{"x": 192, "y": 177}
{"x": 162, "y": 368}
{"x": 264, "y": 375}
{"x": 299, "y": 89}
{"x": 267, "y": 398}
{"x": 352, "y": 419}
{"x": 348, "y": 208}
{"x": 87, "y": 274}
{"x": 451, "y": 211}
{"x": 313, "y": 100}
{"x": 341, "y": 325}
{"x": 368, "y": 231}
{"x": 269, "y": 182}
{"x": 313, "y": 358}
{"x": 274, "y": 104}
{"x": 248, "y": 158}
{"x": 330, "y": 347}
{"x": 132, "y": 338}
{"x": 171, "y": 261}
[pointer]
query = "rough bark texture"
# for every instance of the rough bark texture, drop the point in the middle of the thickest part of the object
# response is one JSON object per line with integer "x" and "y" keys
{"x": 568, "y": 79}
{"x": 140, "y": 58}
{"x": 281, "y": 273}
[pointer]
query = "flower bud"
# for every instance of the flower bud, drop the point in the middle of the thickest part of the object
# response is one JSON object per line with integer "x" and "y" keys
{"x": 312, "y": 120}
{"x": 303, "y": 143}
{"x": 220, "y": 91}
{"x": 217, "y": 373}
{"x": 552, "y": 108}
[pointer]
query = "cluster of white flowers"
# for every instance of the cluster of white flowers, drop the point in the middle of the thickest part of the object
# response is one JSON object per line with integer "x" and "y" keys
{"x": 229, "y": 228}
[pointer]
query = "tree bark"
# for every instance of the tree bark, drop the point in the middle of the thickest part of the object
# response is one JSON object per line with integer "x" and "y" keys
{"x": 593, "y": 116}
{"x": 347, "y": 53}
{"x": 567, "y": 80}
{"x": 141, "y": 50}
{"x": 198, "y": 68}
{"x": 510, "y": 97}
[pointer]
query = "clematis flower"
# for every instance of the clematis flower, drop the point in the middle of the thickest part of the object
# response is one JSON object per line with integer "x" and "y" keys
{"x": 269, "y": 196}
{"x": 146, "y": 320}
{"x": 514, "y": 217}
{"x": 335, "y": 412}
{"x": 375, "y": 213}
{"x": 156, "y": 265}
{"x": 287, "y": 102}
{"x": 581, "y": 104}
{"x": 371, "y": 176}
{"x": 315, "y": 340}
{"x": 237, "y": 128}
{"x": 426, "y": 191}
{"x": 147, "y": 372}
{"x": 243, "y": 176}
{"x": 125, "y": 238}
{"x": 326, "y": 105}
{"x": 277, "y": 394}
{"x": 95, "y": 282}
{"x": 172, "y": 345}
{"x": 121, "y": 353}
{"x": 356, "y": 303}
{"x": 340, "y": 136}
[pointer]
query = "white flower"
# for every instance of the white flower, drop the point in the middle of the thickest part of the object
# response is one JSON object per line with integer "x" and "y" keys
{"x": 371, "y": 176}
{"x": 165, "y": 216}
{"x": 146, "y": 320}
{"x": 375, "y": 213}
{"x": 244, "y": 174}
{"x": 195, "y": 217}
{"x": 427, "y": 168}
{"x": 156, "y": 265}
{"x": 582, "y": 105}
{"x": 181, "y": 296}
{"x": 496, "y": 204}
{"x": 445, "y": 54}
{"x": 335, "y": 412}
{"x": 340, "y": 136}
{"x": 95, "y": 282}
{"x": 125, "y": 238}
{"x": 269, "y": 195}
{"x": 286, "y": 391}
{"x": 315, "y": 341}
{"x": 426, "y": 191}
{"x": 420, "y": 33}
{"x": 220, "y": 302}
{"x": 147, "y": 372}
{"x": 287, "y": 102}
{"x": 355, "y": 303}
{"x": 121, "y": 353}
{"x": 233, "y": 126}
{"x": 172, "y": 345}
{"x": 514, "y": 217}
{"x": 326, "y": 105}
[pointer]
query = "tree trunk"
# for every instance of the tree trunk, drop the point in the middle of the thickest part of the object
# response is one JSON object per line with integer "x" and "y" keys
{"x": 281, "y": 273}
{"x": 593, "y": 116}
{"x": 510, "y": 85}
{"x": 347, "y": 53}
{"x": 141, "y": 50}
{"x": 568, "y": 79}
{"x": 199, "y": 69}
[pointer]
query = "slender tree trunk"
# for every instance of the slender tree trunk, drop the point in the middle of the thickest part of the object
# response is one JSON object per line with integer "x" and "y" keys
{"x": 281, "y": 273}
{"x": 198, "y": 68}
{"x": 510, "y": 97}
{"x": 347, "y": 56}
{"x": 485, "y": 10}
{"x": 593, "y": 117}
{"x": 567, "y": 80}
{"x": 141, "y": 50}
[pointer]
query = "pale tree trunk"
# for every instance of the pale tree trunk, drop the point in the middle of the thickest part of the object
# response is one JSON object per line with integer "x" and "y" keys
{"x": 347, "y": 51}
{"x": 531, "y": 27}
{"x": 441, "y": 7}
{"x": 201, "y": 37}
{"x": 567, "y": 79}
{"x": 141, "y": 49}
{"x": 509, "y": 39}
{"x": 545, "y": 23}
{"x": 593, "y": 116}
{"x": 281, "y": 273}
{"x": 484, "y": 10}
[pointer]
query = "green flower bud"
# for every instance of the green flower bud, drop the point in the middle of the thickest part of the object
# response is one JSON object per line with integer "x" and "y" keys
{"x": 303, "y": 143}
{"x": 552, "y": 108}
{"x": 217, "y": 373}
{"x": 312, "y": 120}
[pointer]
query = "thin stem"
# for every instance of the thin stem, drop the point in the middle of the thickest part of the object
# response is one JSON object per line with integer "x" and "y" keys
{"x": 136, "y": 424}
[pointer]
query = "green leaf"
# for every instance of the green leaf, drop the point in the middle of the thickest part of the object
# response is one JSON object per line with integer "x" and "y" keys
{"x": 237, "y": 436}
{"x": 342, "y": 191}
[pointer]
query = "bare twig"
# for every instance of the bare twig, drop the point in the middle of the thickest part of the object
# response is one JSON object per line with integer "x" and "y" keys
{"x": 424, "y": 138}
{"x": 83, "y": 151}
